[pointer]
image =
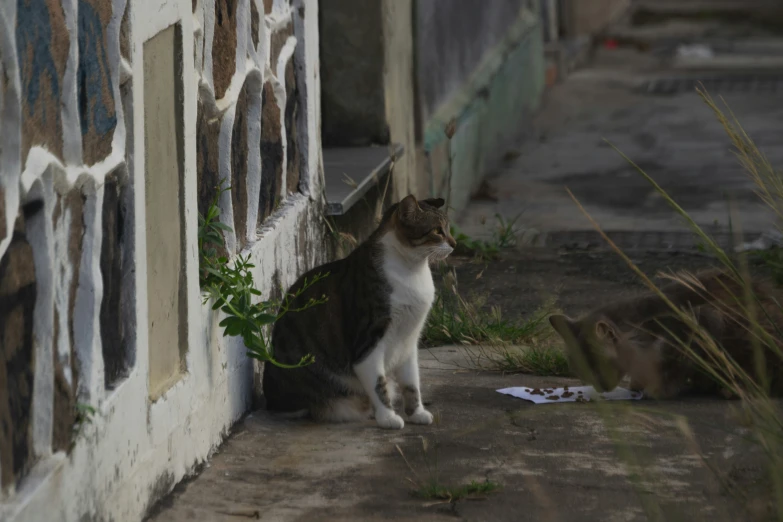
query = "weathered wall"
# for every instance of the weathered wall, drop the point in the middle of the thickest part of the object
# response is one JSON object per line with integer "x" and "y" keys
{"x": 482, "y": 65}
{"x": 63, "y": 159}
{"x": 352, "y": 67}
{"x": 74, "y": 253}
{"x": 367, "y": 80}
{"x": 451, "y": 42}
{"x": 399, "y": 92}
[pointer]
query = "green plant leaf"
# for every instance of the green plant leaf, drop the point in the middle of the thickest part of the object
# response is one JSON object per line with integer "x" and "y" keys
{"x": 258, "y": 355}
{"x": 213, "y": 271}
{"x": 227, "y": 321}
{"x": 234, "y": 329}
{"x": 265, "y": 318}
{"x": 221, "y": 226}
{"x": 233, "y": 289}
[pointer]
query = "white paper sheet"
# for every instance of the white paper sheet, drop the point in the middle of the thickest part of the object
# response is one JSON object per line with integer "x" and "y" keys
{"x": 570, "y": 394}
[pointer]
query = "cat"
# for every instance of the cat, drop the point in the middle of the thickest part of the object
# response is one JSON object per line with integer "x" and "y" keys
{"x": 367, "y": 332}
{"x": 642, "y": 338}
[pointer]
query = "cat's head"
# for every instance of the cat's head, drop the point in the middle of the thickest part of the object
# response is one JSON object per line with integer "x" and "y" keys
{"x": 422, "y": 229}
{"x": 593, "y": 347}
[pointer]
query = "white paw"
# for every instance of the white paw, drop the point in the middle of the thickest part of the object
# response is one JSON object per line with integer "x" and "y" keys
{"x": 421, "y": 416}
{"x": 389, "y": 421}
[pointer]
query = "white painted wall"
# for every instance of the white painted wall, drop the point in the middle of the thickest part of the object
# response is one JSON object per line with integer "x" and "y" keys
{"x": 135, "y": 451}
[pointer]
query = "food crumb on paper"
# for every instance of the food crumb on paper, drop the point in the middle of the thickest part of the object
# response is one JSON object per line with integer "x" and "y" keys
{"x": 570, "y": 394}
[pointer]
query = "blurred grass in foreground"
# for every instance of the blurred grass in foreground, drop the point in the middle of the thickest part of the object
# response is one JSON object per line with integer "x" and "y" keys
{"x": 759, "y": 412}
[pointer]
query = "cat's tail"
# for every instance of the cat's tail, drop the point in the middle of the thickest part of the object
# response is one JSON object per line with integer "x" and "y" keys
{"x": 344, "y": 409}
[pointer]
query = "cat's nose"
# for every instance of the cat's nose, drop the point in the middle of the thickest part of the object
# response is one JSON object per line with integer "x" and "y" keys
{"x": 452, "y": 243}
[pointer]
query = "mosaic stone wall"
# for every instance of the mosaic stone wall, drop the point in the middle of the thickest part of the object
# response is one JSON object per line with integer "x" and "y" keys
{"x": 248, "y": 110}
{"x": 67, "y": 224}
{"x": 65, "y": 216}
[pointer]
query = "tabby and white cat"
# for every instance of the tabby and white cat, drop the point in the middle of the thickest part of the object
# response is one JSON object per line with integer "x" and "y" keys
{"x": 367, "y": 333}
{"x": 642, "y": 337}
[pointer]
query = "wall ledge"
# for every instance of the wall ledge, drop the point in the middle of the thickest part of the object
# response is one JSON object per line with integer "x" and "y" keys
{"x": 350, "y": 172}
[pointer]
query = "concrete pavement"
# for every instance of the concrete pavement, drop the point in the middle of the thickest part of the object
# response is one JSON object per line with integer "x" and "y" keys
{"x": 552, "y": 462}
{"x": 675, "y": 138}
{"x": 562, "y": 462}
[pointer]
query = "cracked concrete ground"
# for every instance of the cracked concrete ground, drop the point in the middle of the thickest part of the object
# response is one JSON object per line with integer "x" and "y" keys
{"x": 553, "y": 462}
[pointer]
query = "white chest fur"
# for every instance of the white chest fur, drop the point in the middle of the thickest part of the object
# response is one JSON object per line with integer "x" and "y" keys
{"x": 412, "y": 295}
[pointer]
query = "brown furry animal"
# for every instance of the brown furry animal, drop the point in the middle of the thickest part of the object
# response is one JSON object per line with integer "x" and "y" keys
{"x": 643, "y": 338}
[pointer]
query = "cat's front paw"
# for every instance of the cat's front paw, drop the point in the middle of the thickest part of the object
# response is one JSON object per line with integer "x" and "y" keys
{"x": 420, "y": 416}
{"x": 389, "y": 420}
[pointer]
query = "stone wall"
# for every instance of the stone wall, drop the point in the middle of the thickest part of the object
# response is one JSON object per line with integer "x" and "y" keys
{"x": 74, "y": 257}
{"x": 65, "y": 184}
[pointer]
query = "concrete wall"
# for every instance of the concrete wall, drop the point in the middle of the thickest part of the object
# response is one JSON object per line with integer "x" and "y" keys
{"x": 399, "y": 93}
{"x": 352, "y": 65}
{"x": 76, "y": 104}
{"x": 482, "y": 64}
{"x": 452, "y": 40}
{"x": 367, "y": 80}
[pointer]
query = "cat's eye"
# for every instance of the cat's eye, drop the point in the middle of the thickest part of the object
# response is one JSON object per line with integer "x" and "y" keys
{"x": 439, "y": 231}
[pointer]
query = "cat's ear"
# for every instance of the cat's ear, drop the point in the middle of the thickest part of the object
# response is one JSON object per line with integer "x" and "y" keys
{"x": 563, "y": 325}
{"x": 408, "y": 207}
{"x": 605, "y": 331}
{"x": 435, "y": 202}
{"x": 568, "y": 330}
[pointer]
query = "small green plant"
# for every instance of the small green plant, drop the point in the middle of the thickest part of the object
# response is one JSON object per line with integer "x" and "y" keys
{"x": 503, "y": 236}
{"x": 494, "y": 342}
{"x": 83, "y": 414}
{"x": 546, "y": 360}
{"x": 436, "y": 491}
{"x": 481, "y": 250}
{"x": 431, "y": 488}
{"x": 233, "y": 291}
{"x": 455, "y": 320}
{"x": 210, "y": 238}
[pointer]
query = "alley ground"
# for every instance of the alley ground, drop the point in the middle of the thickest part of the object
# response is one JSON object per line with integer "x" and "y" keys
{"x": 674, "y": 137}
{"x": 552, "y": 462}
{"x": 555, "y": 461}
